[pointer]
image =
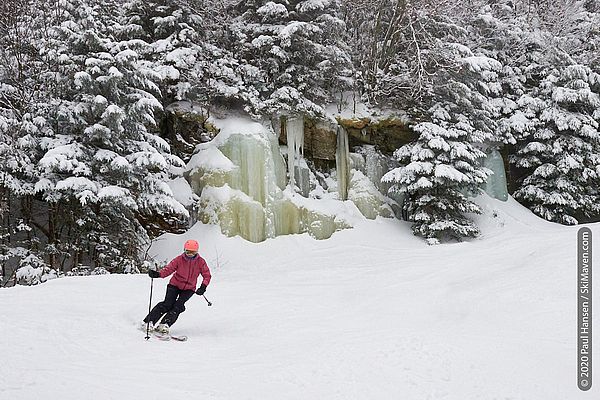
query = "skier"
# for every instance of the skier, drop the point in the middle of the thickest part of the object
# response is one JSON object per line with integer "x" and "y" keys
{"x": 182, "y": 286}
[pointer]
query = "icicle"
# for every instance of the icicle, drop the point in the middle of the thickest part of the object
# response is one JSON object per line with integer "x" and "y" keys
{"x": 342, "y": 162}
{"x": 278, "y": 163}
{"x": 295, "y": 142}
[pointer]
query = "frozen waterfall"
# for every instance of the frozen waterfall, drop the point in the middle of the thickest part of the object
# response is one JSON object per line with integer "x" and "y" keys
{"x": 295, "y": 149}
{"x": 342, "y": 162}
{"x": 240, "y": 177}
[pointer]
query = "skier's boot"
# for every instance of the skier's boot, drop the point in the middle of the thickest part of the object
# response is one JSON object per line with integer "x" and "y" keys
{"x": 162, "y": 330}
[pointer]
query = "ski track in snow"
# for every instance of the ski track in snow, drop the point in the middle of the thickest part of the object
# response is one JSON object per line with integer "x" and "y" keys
{"x": 372, "y": 313}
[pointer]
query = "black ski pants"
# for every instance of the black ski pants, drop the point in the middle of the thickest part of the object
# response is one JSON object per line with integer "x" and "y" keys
{"x": 170, "y": 307}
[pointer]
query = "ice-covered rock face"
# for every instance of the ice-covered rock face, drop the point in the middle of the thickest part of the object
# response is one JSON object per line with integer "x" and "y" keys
{"x": 495, "y": 185}
{"x": 373, "y": 165}
{"x": 240, "y": 177}
{"x": 367, "y": 197}
{"x": 366, "y": 189}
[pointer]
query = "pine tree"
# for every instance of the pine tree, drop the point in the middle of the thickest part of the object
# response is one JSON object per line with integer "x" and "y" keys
{"x": 170, "y": 35}
{"x": 27, "y": 84}
{"x": 438, "y": 172}
{"x": 294, "y": 48}
{"x": 561, "y": 159}
{"x": 539, "y": 46}
{"x": 108, "y": 164}
{"x": 442, "y": 168}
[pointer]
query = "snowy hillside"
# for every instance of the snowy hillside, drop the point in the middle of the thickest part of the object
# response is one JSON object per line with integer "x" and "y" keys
{"x": 372, "y": 313}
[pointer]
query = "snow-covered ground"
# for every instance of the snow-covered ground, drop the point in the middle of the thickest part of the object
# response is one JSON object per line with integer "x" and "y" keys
{"x": 372, "y": 313}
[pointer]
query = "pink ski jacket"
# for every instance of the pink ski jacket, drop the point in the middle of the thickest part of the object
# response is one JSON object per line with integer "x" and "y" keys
{"x": 186, "y": 271}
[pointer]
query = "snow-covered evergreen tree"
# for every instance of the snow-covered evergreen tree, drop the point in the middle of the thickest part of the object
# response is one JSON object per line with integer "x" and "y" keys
{"x": 27, "y": 85}
{"x": 440, "y": 170}
{"x": 561, "y": 159}
{"x": 438, "y": 173}
{"x": 524, "y": 39}
{"x": 539, "y": 46}
{"x": 294, "y": 47}
{"x": 118, "y": 166}
{"x": 188, "y": 50}
{"x": 170, "y": 34}
{"x": 94, "y": 158}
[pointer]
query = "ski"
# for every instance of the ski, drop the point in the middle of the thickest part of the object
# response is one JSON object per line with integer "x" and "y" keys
{"x": 165, "y": 337}
{"x": 170, "y": 337}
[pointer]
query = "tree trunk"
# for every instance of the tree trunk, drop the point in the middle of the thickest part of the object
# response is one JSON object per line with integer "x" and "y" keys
{"x": 4, "y": 228}
{"x": 51, "y": 233}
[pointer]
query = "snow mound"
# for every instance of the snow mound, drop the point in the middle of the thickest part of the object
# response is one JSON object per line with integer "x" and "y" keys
{"x": 508, "y": 218}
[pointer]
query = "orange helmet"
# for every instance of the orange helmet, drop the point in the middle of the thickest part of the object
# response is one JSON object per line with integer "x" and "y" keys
{"x": 191, "y": 245}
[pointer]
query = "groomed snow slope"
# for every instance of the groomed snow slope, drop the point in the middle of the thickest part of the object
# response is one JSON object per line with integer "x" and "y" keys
{"x": 372, "y": 313}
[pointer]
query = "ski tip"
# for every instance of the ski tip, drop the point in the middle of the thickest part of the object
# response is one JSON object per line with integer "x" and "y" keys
{"x": 171, "y": 337}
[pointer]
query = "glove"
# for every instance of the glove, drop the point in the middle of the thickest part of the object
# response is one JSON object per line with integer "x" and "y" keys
{"x": 153, "y": 274}
{"x": 200, "y": 291}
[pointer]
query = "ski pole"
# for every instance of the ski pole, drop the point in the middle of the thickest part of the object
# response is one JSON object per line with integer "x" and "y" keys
{"x": 209, "y": 303}
{"x": 149, "y": 308}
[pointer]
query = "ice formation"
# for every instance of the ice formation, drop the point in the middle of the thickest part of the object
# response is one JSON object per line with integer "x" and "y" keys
{"x": 240, "y": 177}
{"x": 366, "y": 189}
{"x": 495, "y": 185}
{"x": 363, "y": 192}
{"x": 342, "y": 162}
{"x": 297, "y": 168}
{"x": 373, "y": 164}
